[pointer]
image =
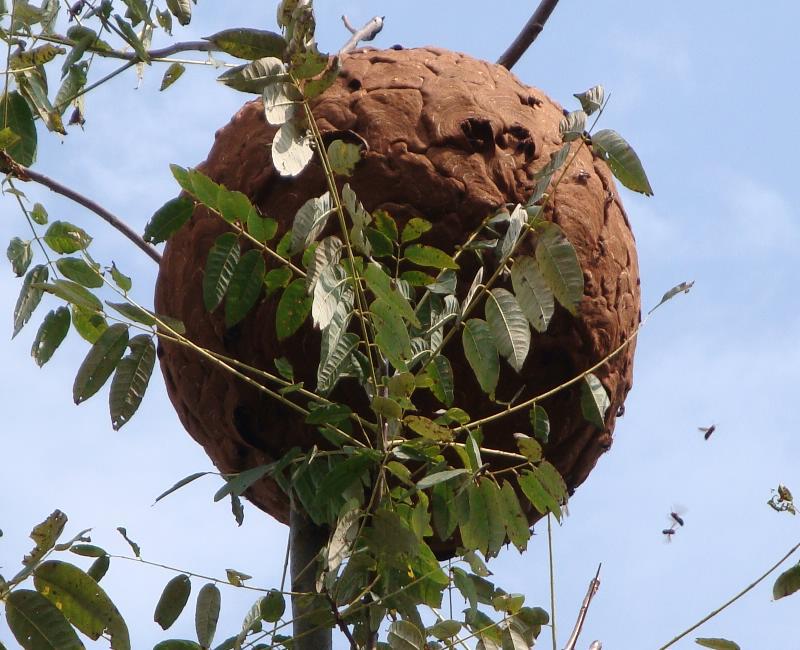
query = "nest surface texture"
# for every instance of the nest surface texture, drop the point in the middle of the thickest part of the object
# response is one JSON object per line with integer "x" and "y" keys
{"x": 450, "y": 139}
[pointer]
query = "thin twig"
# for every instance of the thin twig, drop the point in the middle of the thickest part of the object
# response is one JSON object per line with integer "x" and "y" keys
{"x": 731, "y": 601}
{"x": 341, "y": 623}
{"x": 528, "y": 35}
{"x": 366, "y": 33}
{"x": 8, "y": 166}
{"x": 594, "y": 585}
{"x": 552, "y": 580}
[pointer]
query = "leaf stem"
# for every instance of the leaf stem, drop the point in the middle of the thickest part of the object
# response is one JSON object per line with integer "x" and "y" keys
{"x": 552, "y": 580}
{"x": 732, "y": 600}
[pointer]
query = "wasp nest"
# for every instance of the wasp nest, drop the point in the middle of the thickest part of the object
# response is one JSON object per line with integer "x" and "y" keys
{"x": 448, "y": 138}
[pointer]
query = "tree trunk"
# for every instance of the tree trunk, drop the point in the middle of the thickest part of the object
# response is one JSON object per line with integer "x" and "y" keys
{"x": 305, "y": 541}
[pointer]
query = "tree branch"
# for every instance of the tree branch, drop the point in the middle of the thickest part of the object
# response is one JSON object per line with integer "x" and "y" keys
{"x": 594, "y": 585}
{"x": 366, "y": 33}
{"x": 8, "y": 166}
{"x": 528, "y": 35}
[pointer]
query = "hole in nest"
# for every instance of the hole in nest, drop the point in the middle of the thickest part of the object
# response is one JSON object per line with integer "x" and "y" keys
{"x": 479, "y": 134}
{"x": 354, "y": 84}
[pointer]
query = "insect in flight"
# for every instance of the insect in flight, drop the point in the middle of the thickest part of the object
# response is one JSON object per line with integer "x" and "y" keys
{"x": 668, "y": 533}
{"x": 707, "y": 430}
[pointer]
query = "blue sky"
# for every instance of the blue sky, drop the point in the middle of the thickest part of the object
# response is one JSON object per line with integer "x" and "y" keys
{"x": 705, "y": 93}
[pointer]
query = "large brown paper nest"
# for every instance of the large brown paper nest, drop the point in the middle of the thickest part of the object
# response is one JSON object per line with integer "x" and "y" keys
{"x": 450, "y": 139}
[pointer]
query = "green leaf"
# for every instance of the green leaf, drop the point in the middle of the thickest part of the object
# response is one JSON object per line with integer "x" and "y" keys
{"x": 220, "y": 265}
{"x": 441, "y": 374}
{"x": 87, "y": 550}
{"x": 429, "y": 256}
{"x": 132, "y": 38}
{"x": 381, "y": 245}
{"x": 391, "y": 335}
{"x": 131, "y": 380}
{"x": 440, "y": 477}
{"x": 237, "y": 484}
{"x": 99, "y": 568}
{"x": 134, "y": 546}
{"x": 310, "y": 221}
{"x": 29, "y": 296}
{"x": 572, "y": 126}
{"x": 558, "y": 263}
{"x": 281, "y": 99}
{"x": 428, "y": 428}
{"x": 37, "y": 624}
{"x": 537, "y": 495}
{"x": 386, "y": 224}
{"x": 475, "y": 528}
{"x": 172, "y": 601}
{"x": 528, "y": 447}
{"x": 249, "y": 44}
{"x": 38, "y": 214}
{"x": 245, "y": 287}
{"x": 552, "y": 481}
{"x": 277, "y": 279}
{"x": 45, "y": 535}
{"x": 88, "y": 324}
{"x": 255, "y": 76}
{"x": 204, "y": 189}
{"x": 64, "y": 237}
{"x": 74, "y": 294}
{"x": 540, "y": 423}
{"x": 343, "y": 157}
{"x": 445, "y": 629}
{"x": 181, "y": 9}
{"x": 82, "y": 601}
{"x": 16, "y": 115}
{"x": 496, "y": 520}
{"x": 272, "y": 606}
{"x": 481, "y": 353}
{"x": 717, "y": 644}
{"x": 383, "y": 287}
{"x": 683, "y": 287}
{"x": 404, "y": 635}
{"x": 591, "y": 100}
{"x": 414, "y": 229}
{"x": 293, "y": 309}
{"x": 262, "y": 229}
{"x": 533, "y": 293}
{"x": 622, "y": 159}
{"x": 8, "y": 138}
{"x": 77, "y": 270}
{"x": 206, "y": 614}
{"x": 335, "y": 361}
{"x": 20, "y": 255}
{"x": 787, "y": 583}
{"x": 515, "y": 521}
{"x": 177, "y": 644}
{"x": 328, "y": 414}
{"x": 184, "y": 481}
{"x": 509, "y": 327}
{"x": 33, "y": 87}
{"x": 172, "y": 74}
{"x": 291, "y": 150}
{"x": 100, "y": 362}
{"x": 594, "y": 401}
{"x": 120, "y": 279}
{"x": 168, "y": 219}
{"x": 52, "y": 332}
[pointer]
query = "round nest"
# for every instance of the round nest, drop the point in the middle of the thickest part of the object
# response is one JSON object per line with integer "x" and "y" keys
{"x": 448, "y": 138}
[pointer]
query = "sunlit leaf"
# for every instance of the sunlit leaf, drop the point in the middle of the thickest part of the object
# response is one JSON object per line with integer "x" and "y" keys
{"x": 558, "y": 263}
{"x": 282, "y": 100}
{"x": 171, "y": 75}
{"x": 516, "y": 221}
{"x": 88, "y": 324}
{"x": 533, "y": 294}
{"x": 64, "y": 237}
{"x": 327, "y": 253}
{"x": 73, "y": 293}
{"x": 206, "y": 614}
{"x": 245, "y": 286}
{"x": 37, "y": 624}
{"x": 249, "y": 43}
{"x": 172, "y": 601}
{"x": 82, "y": 601}
{"x": 428, "y": 428}
{"x": 683, "y": 287}
{"x": 220, "y": 265}
{"x": 337, "y": 349}
{"x": 310, "y": 221}
{"x": 293, "y": 309}
{"x": 528, "y": 447}
{"x": 622, "y": 159}
{"x": 100, "y": 362}
{"x": 414, "y": 229}
{"x": 77, "y": 270}
{"x": 30, "y": 296}
{"x": 429, "y": 256}
{"x": 181, "y": 9}
{"x": 509, "y": 327}
{"x": 591, "y": 100}
{"x": 38, "y": 213}
{"x": 120, "y": 279}
{"x": 20, "y": 255}
{"x": 255, "y": 76}
{"x": 540, "y": 423}
{"x": 481, "y": 353}
{"x": 473, "y": 288}
{"x": 16, "y": 115}
{"x": 383, "y": 287}
{"x": 291, "y": 150}
{"x": 787, "y": 583}
{"x": 404, "y": 635}
{"x": 131, "y": 380}
{"x": 717, "y": 644}
{"x": 594, "y": 401}
{"x": 343, "y": 156}
{"x": 52, "y": 332}
{"x": 168, "y": 219}
{"x": 572, "y": 126}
